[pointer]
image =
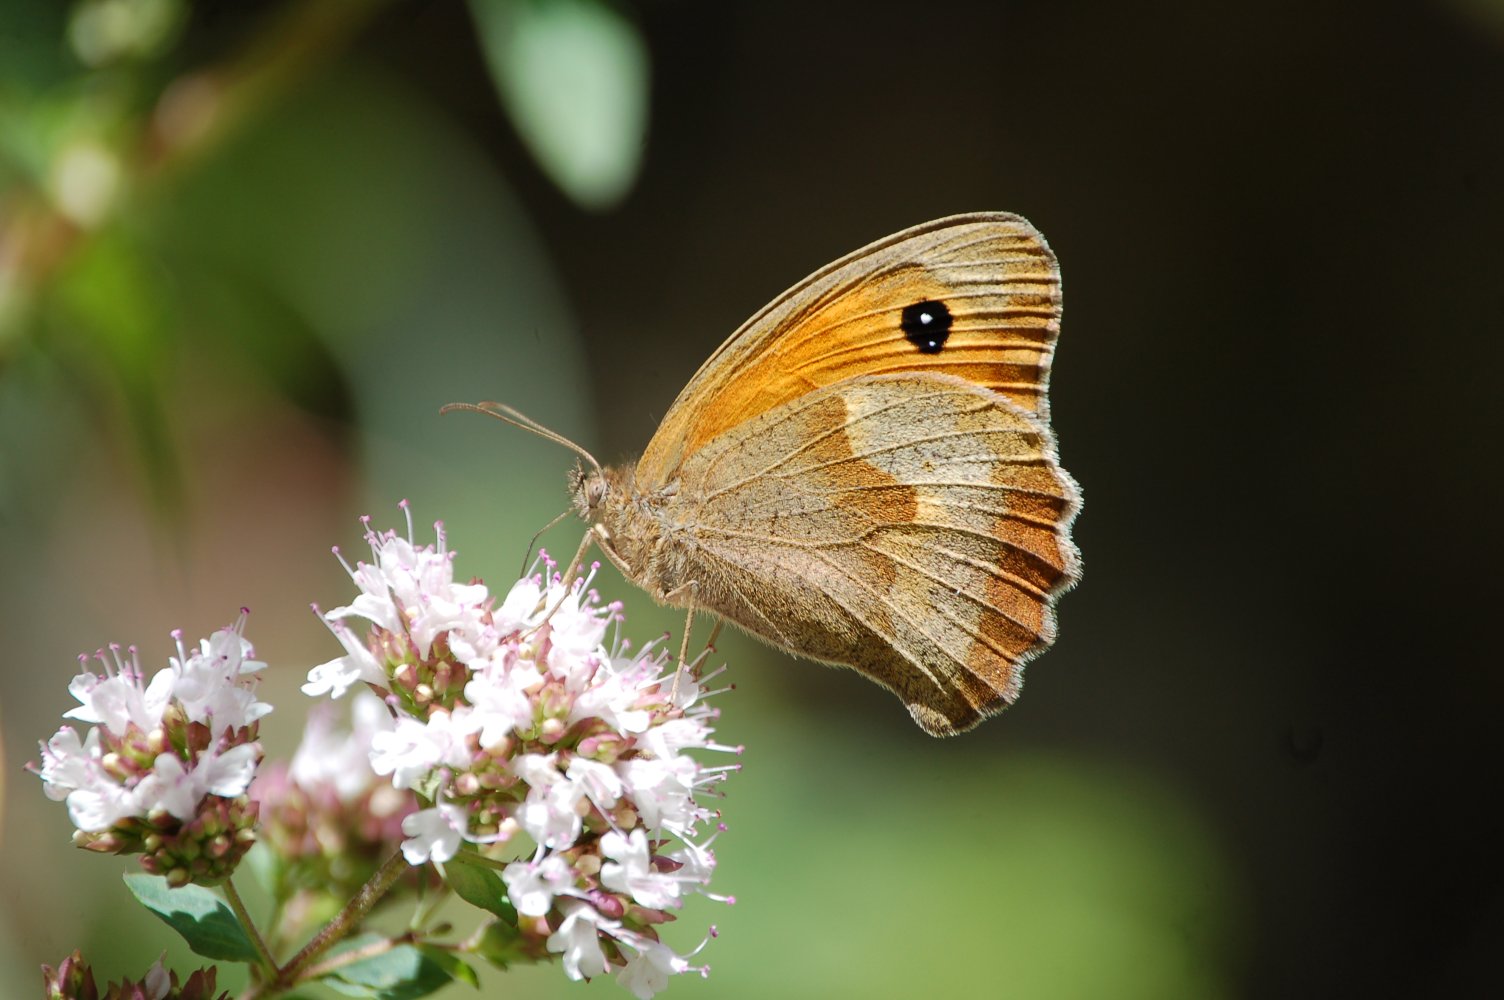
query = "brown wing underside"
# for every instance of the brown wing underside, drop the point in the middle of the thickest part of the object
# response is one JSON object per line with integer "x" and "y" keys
{"x": 993, "y": 272}
{"x": 913, "y": 527}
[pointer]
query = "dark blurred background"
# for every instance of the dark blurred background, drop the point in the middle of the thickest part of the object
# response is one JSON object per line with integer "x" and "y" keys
{"x": 248, "y": 251}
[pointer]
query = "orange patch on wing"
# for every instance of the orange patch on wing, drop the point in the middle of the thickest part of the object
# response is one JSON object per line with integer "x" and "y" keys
{"x": 1000, "y": 338}
{"x": 1031, "y": 563}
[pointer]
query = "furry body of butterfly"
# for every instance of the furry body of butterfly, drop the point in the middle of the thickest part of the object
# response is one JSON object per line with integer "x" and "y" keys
{"x": 864, "y": 473}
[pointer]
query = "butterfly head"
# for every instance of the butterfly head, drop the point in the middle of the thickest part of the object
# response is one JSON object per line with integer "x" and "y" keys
{"x": 623, "y": 526}
{"x": 589, "y": 487}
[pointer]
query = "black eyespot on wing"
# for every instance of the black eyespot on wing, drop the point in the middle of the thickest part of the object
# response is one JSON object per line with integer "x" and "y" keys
{"x": 926, "y": 324}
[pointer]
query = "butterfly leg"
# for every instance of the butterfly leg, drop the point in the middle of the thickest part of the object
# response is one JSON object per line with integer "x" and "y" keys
{"x": 579, "y": 557}
{"x": 537, "y": 536}
{"x": 715, "y": 633}
{"x": 689, "y": 624}
{"x": 693, "y": 588}
{"x": 570, "y": 573}
{"x": 689, "y": 621}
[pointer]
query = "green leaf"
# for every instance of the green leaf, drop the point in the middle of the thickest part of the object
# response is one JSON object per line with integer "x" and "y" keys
{"x": 451, "y": 963}
{"x": 203, "y": 919}
{"x": 573, "y": 76}
{"x": 403, "y": 973}
{"x": 502, "y": 945}
{"x": 480, "y": 886}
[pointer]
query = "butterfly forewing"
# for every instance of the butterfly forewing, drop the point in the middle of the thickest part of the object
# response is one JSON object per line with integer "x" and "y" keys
{"x": 974, "y": 296}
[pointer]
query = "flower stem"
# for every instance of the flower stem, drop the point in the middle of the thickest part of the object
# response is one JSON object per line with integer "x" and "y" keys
{"x": 354, "y": 955}
{"x": 354, "y": 912}
{"x": 343, "y": 923}
{"x": 263, "y": 954}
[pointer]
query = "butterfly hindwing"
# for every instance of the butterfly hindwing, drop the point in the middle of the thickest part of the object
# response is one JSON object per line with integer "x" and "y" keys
{"x": 913, "y": 527}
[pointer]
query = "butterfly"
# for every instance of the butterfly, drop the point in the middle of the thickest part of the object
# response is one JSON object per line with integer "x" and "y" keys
{"x": 865, "y": 474}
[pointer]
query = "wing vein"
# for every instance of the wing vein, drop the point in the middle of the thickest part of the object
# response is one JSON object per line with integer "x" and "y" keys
{"x": 730, "y": 578}
{"x": 844, "y": 606}
{"x": 979, "y": 459}
{"x": 978, "y": 601}
{"x": 812, "y": 442}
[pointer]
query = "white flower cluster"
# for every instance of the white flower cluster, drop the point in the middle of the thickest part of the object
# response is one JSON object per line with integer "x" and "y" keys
{"x": 339, "y": 759}
{"x": 521, "y": 719}
{"x": 328, "y": 819}
{"x": 170, "y": 757}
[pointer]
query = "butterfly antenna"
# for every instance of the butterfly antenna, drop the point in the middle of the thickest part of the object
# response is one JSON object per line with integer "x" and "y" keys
{"x": 538, "y": 535}
{"x": 516, "y": 418}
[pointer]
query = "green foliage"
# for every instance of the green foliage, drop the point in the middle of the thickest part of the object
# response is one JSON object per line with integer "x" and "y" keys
{"x": 114, "y": 318}
{"x": 401, "y": 973}
{"x": 573, "y": 75}
{"x": 457, "y": 968}
{"x": 480, "y": 886}
{"x": 116, "y": 273}
{"x": 201, "y": 917}
{"x": 500, "y": 943}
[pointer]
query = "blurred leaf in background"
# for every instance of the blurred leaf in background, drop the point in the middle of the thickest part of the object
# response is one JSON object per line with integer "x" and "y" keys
{"x": 573, "y": 75}
{"x": 240, "y": 271}
{"x": 108, "y": 131}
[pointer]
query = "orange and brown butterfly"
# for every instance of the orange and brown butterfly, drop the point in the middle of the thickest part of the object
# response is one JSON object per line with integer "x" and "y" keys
{"x": 864, "y": 473}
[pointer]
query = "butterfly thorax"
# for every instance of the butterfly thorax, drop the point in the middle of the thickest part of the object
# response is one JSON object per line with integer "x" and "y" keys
{"x": 636, "y": 529}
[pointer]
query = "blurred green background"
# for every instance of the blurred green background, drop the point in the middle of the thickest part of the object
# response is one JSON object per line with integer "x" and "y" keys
{"x": 247, "y": 249}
